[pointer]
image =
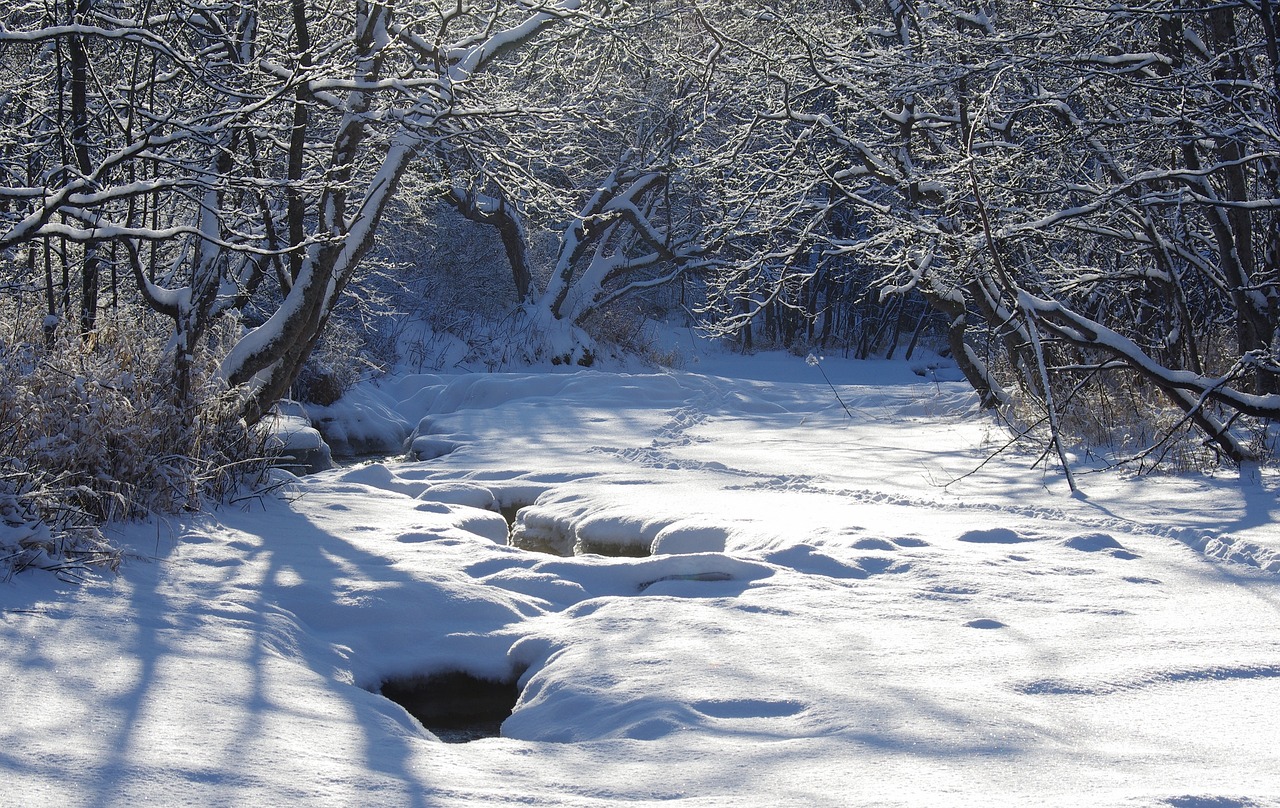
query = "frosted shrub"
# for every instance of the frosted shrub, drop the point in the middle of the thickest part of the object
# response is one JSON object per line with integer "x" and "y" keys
{"x": 626, "y": 328}
{"x": 89, "y": 433}
{"x": 1120, "y": 418}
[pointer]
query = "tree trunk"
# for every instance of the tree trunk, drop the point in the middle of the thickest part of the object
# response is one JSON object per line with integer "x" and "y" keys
{"x": 507, "y": 221}
{"x": 79, "y": 65}
{"x": 990, "y": 394}
{"x": 297, "y": 207}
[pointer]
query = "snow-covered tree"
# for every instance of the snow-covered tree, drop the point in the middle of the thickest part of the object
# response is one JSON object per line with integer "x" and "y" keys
{"x": 631, "y": 171}
{"x": 1081, "y": 189}
{"x": 243, "y": 154}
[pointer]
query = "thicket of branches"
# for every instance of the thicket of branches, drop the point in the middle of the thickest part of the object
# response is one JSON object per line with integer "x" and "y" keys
{"x": 1086, "y": 192}
{"x": 1078, "y": 201}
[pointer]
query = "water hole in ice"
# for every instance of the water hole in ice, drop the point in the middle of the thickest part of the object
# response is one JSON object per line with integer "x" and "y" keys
{"x": 456, "y": 706}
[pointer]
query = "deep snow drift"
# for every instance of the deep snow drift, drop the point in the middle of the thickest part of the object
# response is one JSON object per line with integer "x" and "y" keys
{"x": 832, "y": 614}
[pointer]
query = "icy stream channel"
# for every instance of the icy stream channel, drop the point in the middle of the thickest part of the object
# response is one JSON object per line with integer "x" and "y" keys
{"x": 832, "y": 614}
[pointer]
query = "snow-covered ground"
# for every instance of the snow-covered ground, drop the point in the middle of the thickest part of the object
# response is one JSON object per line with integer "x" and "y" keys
{"x": 834, "y": 614}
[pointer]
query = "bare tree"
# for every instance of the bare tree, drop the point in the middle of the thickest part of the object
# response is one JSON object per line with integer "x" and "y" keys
{"x": 244, "y": 155}
{"x": 631, "y": 174}
{"x": 1080, "y": 189}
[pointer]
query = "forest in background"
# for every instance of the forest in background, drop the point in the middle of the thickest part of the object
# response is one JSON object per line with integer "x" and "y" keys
{"x": 207, "y": 207}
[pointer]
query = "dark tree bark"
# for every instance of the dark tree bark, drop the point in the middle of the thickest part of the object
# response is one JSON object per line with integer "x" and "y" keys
{"x": 502, "y": 216}
{"x": 78, "y": 58}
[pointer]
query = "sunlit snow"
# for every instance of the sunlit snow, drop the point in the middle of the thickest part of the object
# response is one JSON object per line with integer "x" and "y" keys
{"x": 762, "y": 600}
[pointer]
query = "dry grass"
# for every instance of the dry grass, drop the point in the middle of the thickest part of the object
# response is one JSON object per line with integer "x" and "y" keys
{"x": 89, "y": 433}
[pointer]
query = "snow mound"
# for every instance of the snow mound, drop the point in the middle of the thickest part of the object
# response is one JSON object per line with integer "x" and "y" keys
{"x": 363, "y": 422}
{"x": 1099, "y": 543}
{"x": 428, "y": 447}
{"x": 461, "y": 493}
{"x": 994, "y": 535}
{"x": 690, "y": 536}
{"x": 380, "y": 475}
{"x": 300, "y": 445}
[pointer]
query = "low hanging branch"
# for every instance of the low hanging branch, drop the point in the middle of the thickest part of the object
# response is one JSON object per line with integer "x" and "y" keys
{"x": 1188, "y": 390}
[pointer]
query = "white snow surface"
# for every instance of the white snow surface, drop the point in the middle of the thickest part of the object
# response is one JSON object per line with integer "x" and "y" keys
{"x": 834, "y": 614}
